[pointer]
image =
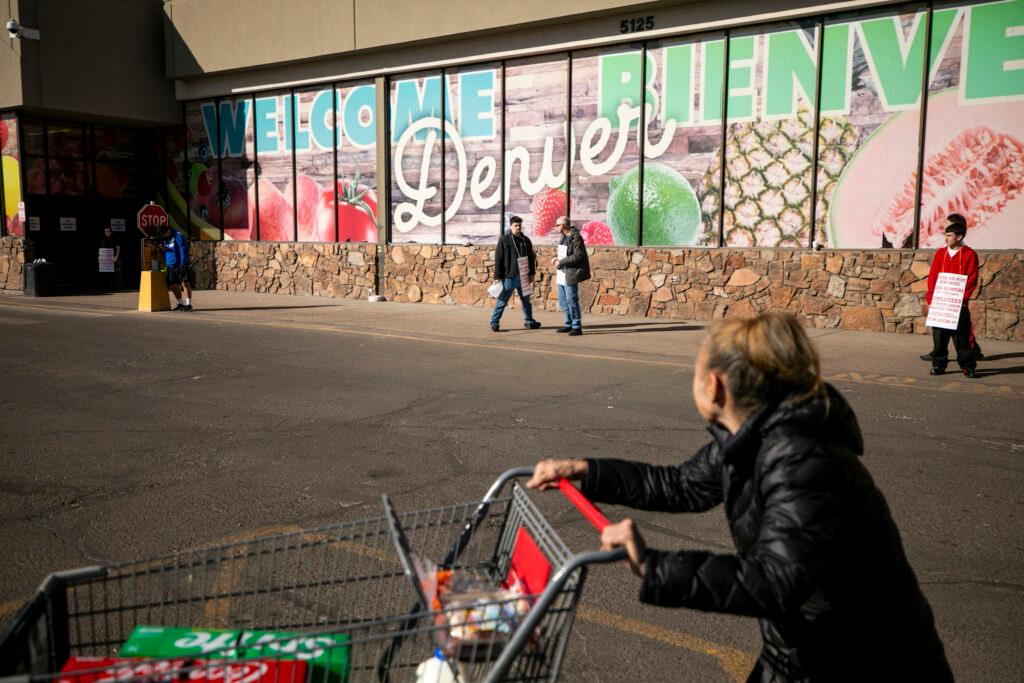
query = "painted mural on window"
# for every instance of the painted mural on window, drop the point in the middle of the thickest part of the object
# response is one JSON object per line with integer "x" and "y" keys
{"x": 974, "y": 140}
{"x": 11, "y": 161}
{"x": 202, "y": 171}
{"x": 682, "y": 173}
{"x": 536, "y": 153}
{"x": 472, "y": 156}
{"x": 355, "y": 191}
{"x": 533, "y": 141}
{"x": 416, "y": 199}
{"x": 604, "y": 181}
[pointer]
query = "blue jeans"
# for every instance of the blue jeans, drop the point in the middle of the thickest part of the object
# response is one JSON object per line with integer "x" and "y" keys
{"x": 569, "y": 302}
{"x": 511, "y": 284}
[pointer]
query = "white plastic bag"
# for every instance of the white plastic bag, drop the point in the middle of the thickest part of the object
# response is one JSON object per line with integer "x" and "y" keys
{"x": 495, "y": 290}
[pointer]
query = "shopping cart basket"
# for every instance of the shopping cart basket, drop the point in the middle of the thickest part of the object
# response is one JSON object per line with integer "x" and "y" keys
{"x": 341, "y": 587}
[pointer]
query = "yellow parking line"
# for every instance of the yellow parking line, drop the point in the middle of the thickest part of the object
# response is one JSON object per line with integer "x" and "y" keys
{"x": 736, "y": 663}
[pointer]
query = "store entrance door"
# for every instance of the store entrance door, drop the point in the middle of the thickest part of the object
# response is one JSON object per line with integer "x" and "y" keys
{"x": 71, "y": 229}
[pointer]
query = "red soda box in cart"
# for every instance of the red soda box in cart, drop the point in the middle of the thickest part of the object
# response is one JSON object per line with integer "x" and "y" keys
{"x": 116, "y": 669}
{"x": 111, "y": 670}
{"x": 251, "y": 671}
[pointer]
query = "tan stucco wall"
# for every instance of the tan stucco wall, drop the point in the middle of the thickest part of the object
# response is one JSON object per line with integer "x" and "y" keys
{"x": 217, "y": 35}
{"x": 10, "y": 62}
{"x": 401, "y": 35}
{"x": 97, "y": 58}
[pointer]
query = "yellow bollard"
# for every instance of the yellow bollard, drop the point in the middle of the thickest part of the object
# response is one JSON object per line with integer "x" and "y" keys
{"x": 153, "y": 291}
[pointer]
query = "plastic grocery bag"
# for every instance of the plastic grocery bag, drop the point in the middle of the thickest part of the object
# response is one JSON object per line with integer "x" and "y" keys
{"x": 495, "y": 290}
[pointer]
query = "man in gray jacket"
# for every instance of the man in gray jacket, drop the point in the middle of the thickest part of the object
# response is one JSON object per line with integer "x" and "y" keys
{"x": 574, "y": 265}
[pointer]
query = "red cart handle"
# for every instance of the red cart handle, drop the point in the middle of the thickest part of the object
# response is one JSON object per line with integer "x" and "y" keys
{"x": 586, "y": 508}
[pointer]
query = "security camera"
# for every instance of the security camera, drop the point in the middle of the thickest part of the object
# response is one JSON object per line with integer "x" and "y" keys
{"x": 16, "y": 30}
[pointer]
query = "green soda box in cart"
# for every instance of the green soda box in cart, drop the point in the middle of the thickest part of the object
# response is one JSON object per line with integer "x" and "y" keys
{"x": 327, "y": 656}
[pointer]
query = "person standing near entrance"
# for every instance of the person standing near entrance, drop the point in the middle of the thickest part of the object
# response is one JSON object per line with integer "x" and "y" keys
{"x": 176, "y": 256}
{"x": 955, "y": 257}
{"x": 109, "y": 241}
{"x": 515, "y": 266}
{"x": 573, "y": 267}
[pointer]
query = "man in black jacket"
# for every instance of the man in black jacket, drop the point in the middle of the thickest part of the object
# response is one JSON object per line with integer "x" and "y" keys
{"x": 513, "y": 251}
{"x": 573, "y": 267}
{"x": 819, "y": 560}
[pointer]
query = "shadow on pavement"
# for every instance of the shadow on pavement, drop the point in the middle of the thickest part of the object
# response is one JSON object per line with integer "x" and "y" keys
{"x": 587, "y": 329}
{"x": 1004, "y": 356}
{"x": 663, "y": 325}
{"x": 1015, "y": 370}
{"x": 263, "y": 308}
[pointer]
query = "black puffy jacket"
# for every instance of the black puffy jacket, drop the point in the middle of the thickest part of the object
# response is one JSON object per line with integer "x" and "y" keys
{"x": 818, "y": 559}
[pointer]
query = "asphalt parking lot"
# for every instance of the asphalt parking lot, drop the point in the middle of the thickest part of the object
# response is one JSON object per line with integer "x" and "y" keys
{"x": 127, "y": 435}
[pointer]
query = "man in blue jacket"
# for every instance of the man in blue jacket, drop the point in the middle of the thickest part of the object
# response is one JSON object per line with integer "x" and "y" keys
{"x": 175, "y": 246}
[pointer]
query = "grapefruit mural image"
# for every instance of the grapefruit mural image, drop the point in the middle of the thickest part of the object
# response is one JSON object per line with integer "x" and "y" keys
{"x": 971, "y": 167}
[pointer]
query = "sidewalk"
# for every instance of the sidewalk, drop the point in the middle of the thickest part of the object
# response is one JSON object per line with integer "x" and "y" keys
{"x": 876, "y": 358}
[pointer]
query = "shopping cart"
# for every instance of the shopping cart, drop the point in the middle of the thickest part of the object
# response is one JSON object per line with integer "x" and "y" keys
{"x": 342, "y": 587}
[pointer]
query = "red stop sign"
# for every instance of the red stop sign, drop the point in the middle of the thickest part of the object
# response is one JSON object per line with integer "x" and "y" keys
{"x": 151, "y": 219}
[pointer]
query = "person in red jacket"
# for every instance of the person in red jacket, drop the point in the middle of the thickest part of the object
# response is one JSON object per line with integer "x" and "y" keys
{"x": 955, "y": 257}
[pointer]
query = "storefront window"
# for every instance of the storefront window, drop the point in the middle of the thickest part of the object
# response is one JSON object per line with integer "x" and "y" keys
{"x": 204, "y": 212}
{"x": 682, "y": 151}
{"x": 871, "y": 92}
{"x": 770, "y": 138}
{"x": 974, "y": 139}
{"x": 605, "y": 180}
{"x": 536, "y": 101}
{"x": 356, "y": 189}
{"x": 472, "y": 156}
{"x": 236, "y": 198}
{"x": 416, "y": 106}
{"x": 314, "y": 164}
{"x": 11, "y": 173}
{"x": 274, "y": 139}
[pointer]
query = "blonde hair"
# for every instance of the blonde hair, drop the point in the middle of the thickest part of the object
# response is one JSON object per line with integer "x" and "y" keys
{"x": 765, "y": 360}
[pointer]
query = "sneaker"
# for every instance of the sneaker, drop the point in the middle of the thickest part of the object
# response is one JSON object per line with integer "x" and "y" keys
{"x": 179, "y": 307}
{"x": 937, "y": 371}
{"x": 562, "y": 330}
{"x": 532, "y": 325}
{"x": 187, "y": 307}
{"x": 927, "y": 356}
{"x": 495, "y": 327}
{"x": 575, "y": 332}
{"x": 970, "y": 373}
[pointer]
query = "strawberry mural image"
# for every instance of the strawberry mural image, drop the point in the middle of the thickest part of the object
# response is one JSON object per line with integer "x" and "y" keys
{"x": 547, "y": 206}
{"x": 597, "y": 233}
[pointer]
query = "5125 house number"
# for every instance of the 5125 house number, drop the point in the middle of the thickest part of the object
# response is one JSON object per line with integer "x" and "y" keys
{"x": 636, "y": 24}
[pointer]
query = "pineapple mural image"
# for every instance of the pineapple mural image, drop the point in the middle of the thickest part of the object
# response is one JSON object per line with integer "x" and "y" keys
{"x": 767, "y": 193}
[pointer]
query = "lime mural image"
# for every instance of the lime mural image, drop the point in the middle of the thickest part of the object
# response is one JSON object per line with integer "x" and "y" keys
{"x": 606, "y": 92}
{"x": 683, "y": 143}
{"x": 11, "y": 170}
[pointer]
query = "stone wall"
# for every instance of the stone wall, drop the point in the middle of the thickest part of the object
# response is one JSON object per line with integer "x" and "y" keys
{"x": 12, "y": 263}
{"x": 881, "y": 290}
{"x": 344, "y": 271}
